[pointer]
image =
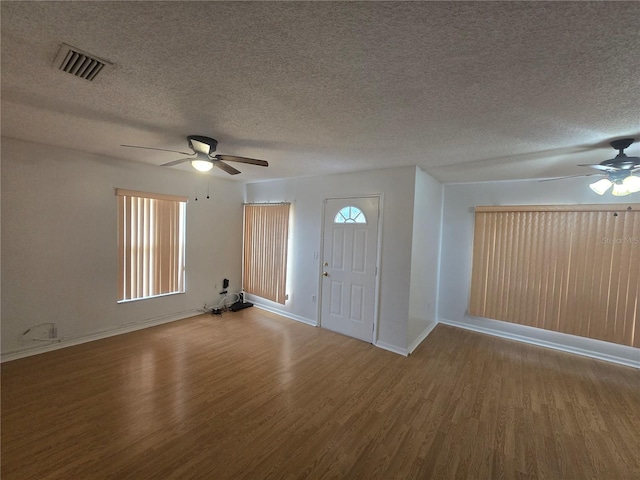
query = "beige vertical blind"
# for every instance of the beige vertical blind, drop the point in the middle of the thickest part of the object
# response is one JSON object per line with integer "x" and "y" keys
{"x": 573, "y": 269}
{"x": 151, "y": 244}
{"x": 266, "y": 233}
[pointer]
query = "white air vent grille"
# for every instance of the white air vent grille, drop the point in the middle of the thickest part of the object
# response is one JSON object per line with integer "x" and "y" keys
{"x": 78, "y": 63}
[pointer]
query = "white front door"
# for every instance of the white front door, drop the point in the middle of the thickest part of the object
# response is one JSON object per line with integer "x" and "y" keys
{"x": 349, "y": 255}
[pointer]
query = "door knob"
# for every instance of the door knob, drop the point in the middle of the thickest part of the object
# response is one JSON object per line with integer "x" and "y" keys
{"x": 325, "y": 274}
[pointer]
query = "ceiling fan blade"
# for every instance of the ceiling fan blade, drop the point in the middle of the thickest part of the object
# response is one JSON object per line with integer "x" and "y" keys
{"x": 251, "y": 161}
{"x": 226, "y": 167}
{"x": 176, "y": 162}
{"x": 606, "y": 168}
{"x": 160, "y": 149}
{"x": 571, "y": 176}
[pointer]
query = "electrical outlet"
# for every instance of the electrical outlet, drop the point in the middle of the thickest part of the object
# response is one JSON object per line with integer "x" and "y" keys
{"x": 313, "y": 298}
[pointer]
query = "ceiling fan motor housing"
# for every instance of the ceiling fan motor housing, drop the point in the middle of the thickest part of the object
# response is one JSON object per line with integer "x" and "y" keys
{"x": 197, "y": 144}
{"x": 622, "y": 161}
{"x": 622, "y": 143}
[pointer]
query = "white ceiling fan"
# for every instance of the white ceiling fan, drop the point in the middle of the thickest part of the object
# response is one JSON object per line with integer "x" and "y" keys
{"x": 202, "y": 157}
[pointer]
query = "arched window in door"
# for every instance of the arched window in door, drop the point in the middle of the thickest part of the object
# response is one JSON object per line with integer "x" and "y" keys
{"x": 350, "y": 214}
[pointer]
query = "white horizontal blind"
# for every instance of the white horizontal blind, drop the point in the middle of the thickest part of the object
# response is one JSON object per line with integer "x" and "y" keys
{"x": 151, "y": 244}
{"x": 572, "y": 269}
{"x": 266, "y": 233}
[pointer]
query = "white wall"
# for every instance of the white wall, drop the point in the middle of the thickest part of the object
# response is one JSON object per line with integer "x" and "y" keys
{"x": 306, "y": 196}
{"x": 456, "y": 257}
{"x": 425, "y": 257}
{"x": 59, "y": 252}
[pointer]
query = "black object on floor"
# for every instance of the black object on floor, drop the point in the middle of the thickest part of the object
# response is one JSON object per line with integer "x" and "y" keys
{"x": 240, "y": 305}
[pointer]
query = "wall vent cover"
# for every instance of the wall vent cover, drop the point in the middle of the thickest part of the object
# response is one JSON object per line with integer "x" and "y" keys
{"x": 78, "y": 63}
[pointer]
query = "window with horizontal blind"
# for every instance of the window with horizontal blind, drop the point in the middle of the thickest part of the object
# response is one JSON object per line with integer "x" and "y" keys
{"x": 151, "y": 244}
{"x": 573, "y": 269}
{"x": 266, "y": 235}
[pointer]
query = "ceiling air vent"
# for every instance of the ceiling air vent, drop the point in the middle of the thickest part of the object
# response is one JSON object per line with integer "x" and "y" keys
{"x": 78, "y": 63}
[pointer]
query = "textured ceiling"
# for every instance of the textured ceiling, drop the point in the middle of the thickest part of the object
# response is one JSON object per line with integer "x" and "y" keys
{"x": 469, "y": 91}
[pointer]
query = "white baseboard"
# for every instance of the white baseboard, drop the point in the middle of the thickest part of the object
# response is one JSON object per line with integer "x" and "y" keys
{"x": 392, "y": 348}
{"x": 422, "y": 336}
{"x": 71, "y": 341}
{"x": 288, "y": 315}
{"x": 587, "y": 347}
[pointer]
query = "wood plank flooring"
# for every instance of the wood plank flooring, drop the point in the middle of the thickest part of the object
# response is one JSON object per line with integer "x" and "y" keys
{"x": 251, "y": 395}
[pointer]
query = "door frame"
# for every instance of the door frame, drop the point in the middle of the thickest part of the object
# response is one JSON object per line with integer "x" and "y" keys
{"x": 380, "y": 197}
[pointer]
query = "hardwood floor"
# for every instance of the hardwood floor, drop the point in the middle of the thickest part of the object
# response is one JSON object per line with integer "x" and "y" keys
{"x": 251, "y": 395}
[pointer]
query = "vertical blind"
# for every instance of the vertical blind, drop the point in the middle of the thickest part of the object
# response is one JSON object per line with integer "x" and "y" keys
{"x": 572, "y": 269}
{"x": 151, "y": 244}
{"x": 266, "y": 233}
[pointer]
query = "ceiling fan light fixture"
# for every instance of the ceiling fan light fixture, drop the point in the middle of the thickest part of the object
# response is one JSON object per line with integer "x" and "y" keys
{"x": 601, "y": 186}
{"x": 620, "y": 190}
{"x": 632, "y": 183}
{"x": 619, "y": 170}
{"x": 202, "y": 165}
